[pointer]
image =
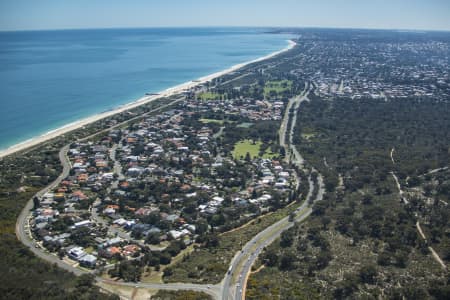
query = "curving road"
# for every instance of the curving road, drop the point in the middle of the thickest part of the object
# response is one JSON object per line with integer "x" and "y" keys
{"x": 235, "y": 281}
{"x": 266, "y": 237}
{"x": 241, "y": 263}
{"x": 22, "y": 225}
{"x": 24, "y": 235}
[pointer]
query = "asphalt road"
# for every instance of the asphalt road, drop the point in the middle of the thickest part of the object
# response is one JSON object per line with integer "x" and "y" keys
{"x": 23, "y": 229}
{"x": 22, "y": 226}
{"x": 234, "y": 283}
{"x": 243, "y": 262}
{"x": 22, "y": 233}
{"x": 240, "y": 265}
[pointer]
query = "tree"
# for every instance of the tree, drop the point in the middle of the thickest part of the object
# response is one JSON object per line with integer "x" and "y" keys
{"x": 36, "y": 203}
{"x": 325, "y": 220}
{"x": 367, "y": 199}
{"x": 319, "y": 208}
{"x": 367, "y": 274}
{"x": 165, "y": 258}
{"x": 287, "y": 261}
{"x": 84, "y": 280}
{"x": 201, "y": 227}
{"x": 212, "y": 241}
{"x": 174, "y": 248}
{"x": 153, "y": 259}
{"x": 302, "y": 245}
{"x": 287, "y": 238}
{"x": 323, "y": 258}
{"x": 248, "y": 157}
{"x": 414, "y": 181}
{"x": 401, "y": 258}
{"x": 384, "y": 259}
{"x": 217, "y": 220}
{"x": 152, "y": 238}
{"x": 127, "y": 271}
{"x": 81, "y": 236}
{"x": 61, "y": 253}
{"x": 168, "y": 272}
{"x": 271, "y": 258}
{"x": 292, "y": 217}
{"x": 346, "y": 287}
{"x": 137, "y": 233}
{"x": 153, "y": 218}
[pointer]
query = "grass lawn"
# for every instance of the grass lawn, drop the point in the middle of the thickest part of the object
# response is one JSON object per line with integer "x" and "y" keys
{"x": 277, "y": 87}
{"x": 269, "y": 154}
{"x": 245, "y": 125}
{"x": 252, "y": 147}
{"x": 210, "y": 96}
{"x": 206, "y": 121}
{"x": 242, "y": 147}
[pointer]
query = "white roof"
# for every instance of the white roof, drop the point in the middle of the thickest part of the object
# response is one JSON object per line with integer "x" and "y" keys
{"x": 120, "y": 221}
{"x": 218, "y": 199}
{"x": 82, "y": 223}
{"x": 176, "y": 234}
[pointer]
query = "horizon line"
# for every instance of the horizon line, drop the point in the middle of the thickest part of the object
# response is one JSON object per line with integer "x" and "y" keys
{"x": 228, "y": 26}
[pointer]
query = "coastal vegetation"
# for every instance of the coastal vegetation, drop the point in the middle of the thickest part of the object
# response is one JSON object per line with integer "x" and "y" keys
{"x": 209, "y": 262}
{"x": 25, "y": 181}
{"x": 180, "y": 295}
{"x": 23, "y": 275}
{"x": 21, "y": 175}
{"x": 362, "y": 239}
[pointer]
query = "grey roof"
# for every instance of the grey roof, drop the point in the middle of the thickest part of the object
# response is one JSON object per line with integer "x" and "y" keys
{"x": 88, "y": 258}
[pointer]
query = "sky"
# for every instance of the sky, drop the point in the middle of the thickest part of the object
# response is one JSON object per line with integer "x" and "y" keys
{"x": 71, "y": 14}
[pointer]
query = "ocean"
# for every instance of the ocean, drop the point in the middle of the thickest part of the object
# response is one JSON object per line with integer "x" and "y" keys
{"x": 49, "y": 79}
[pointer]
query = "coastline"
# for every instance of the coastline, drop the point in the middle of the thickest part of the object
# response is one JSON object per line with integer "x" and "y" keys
{"x": 144, "y": 100}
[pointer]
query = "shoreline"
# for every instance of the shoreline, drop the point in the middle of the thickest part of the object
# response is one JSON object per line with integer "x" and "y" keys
{"x": 124, "y": 107}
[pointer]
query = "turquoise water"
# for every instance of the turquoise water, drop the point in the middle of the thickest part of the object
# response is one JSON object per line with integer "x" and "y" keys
{"x": 51, "y": 78}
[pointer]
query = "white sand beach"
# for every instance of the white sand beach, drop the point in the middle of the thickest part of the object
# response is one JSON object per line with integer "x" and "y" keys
{"x": 168, "y": 92}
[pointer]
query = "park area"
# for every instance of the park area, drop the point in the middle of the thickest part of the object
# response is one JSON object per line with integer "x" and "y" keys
{"x": 272, "y": 88}
{"x": 253, "y": 148}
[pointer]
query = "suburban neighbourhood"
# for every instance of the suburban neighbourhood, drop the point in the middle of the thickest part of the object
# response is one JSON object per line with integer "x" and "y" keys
{"x": 169, "y": 178}
{"x": 298, "y": 167}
